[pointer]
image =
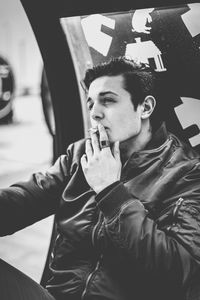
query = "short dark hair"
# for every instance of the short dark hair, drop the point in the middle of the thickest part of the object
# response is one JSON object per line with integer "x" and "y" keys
{"x": 140, "y": 80}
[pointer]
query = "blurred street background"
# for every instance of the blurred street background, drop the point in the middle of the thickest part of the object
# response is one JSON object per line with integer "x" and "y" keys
{"x": 25, "y": 142}
{"x": 25, "y": 147}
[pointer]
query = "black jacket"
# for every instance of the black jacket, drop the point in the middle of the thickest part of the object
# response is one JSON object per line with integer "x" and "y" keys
{"x": 139, "y": 239}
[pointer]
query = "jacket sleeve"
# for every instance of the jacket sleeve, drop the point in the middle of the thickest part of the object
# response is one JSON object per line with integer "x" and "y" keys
{"x": 25, "y": 203}
{"x": 173, "y": 249}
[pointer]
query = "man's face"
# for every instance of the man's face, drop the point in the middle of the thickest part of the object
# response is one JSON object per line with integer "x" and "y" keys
{"x": 110, "y": 104}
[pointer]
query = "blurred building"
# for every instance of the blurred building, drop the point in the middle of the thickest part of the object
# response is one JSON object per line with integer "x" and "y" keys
{"x": 19, "y": 47}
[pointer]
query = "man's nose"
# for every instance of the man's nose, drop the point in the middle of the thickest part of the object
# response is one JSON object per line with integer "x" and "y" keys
{"x": 96, "y": 113}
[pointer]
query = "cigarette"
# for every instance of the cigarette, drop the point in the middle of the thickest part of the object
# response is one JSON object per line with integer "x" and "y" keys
{"x": 93, "y": 130}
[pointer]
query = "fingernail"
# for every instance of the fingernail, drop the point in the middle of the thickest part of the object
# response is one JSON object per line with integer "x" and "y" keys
{"x": 93, "y": 130}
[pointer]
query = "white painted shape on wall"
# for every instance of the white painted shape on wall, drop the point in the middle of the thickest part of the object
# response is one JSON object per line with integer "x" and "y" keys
{"x": 188, "y": 114}
{"x": 93, "y": 34}
{"x": 192, "y": 19}
{"x": 142, "y": 51}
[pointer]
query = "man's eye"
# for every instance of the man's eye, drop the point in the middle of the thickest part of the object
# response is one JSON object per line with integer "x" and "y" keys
{"x": 90, "y": 106}
{"x": 107, "y": 100}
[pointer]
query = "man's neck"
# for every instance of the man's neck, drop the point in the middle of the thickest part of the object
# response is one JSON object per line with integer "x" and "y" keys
{"x": 136, "y": 143}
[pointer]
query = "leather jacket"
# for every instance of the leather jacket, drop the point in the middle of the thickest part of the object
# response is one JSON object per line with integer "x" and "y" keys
{"x": 138, "y": 239}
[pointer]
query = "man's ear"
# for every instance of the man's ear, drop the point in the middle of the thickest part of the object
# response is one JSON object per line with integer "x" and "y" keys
{"x": 148, "y": 106}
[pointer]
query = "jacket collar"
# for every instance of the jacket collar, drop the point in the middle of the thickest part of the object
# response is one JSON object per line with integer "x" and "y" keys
{"x": 153, "y": 151}
{"x": 158, "y": 139}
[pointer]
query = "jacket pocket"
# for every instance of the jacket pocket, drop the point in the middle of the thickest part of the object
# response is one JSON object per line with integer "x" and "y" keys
{"x": 185, "y": 226}
{"x": 168, "y": 216}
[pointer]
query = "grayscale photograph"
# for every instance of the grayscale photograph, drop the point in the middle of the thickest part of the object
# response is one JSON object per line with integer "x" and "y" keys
{"x": 99, "y": 150}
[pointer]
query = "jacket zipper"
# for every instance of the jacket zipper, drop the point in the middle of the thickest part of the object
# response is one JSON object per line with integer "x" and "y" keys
{"x": 177, "y": 206}
{"x": 96, "y": 227}
{"x": 175, "y": 211}
{"x": 90, "y": 276}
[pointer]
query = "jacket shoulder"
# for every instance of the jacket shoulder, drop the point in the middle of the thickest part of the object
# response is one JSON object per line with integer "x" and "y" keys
{"x": 186, "y": 148}
{"x": 76, "y": 150}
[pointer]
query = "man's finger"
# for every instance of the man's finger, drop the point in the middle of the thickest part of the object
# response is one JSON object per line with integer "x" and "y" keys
{"x": 95, "y": 142}
{"x": 116, "y": 151}
{"x": 83, "y": 161}
{"x": 103, "y": 137}
{"x": 88, "y": 149}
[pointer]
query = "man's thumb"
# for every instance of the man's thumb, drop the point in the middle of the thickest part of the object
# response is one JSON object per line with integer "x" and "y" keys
{"x": 116, "y": 151}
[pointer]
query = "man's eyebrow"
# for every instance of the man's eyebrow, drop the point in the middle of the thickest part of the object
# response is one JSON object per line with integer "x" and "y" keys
{"x": 107, "y": 92}
{"x": 102, "y": 94}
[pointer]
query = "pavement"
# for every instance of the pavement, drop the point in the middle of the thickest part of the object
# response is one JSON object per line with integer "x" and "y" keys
{"x": 26, "y": 147}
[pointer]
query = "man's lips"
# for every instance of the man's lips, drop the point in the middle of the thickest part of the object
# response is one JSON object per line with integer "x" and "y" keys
{"x": 95, "y": 129}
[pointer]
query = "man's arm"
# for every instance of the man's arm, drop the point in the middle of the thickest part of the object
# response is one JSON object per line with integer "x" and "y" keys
{"x": 25, "y": 203}
{"x": 173, "y": 250}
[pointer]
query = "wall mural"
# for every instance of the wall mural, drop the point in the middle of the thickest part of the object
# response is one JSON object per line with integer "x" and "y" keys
{"x": 166, "y": 38}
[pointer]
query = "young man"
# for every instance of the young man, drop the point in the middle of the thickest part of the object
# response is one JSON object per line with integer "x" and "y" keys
{"x": 127, "y": 200}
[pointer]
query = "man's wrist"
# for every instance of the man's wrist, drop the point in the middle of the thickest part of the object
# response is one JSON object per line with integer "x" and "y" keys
{"x": 106, "y": 189}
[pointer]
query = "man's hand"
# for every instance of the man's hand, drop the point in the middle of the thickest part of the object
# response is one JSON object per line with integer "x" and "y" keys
{"x": 101, "y": 166}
